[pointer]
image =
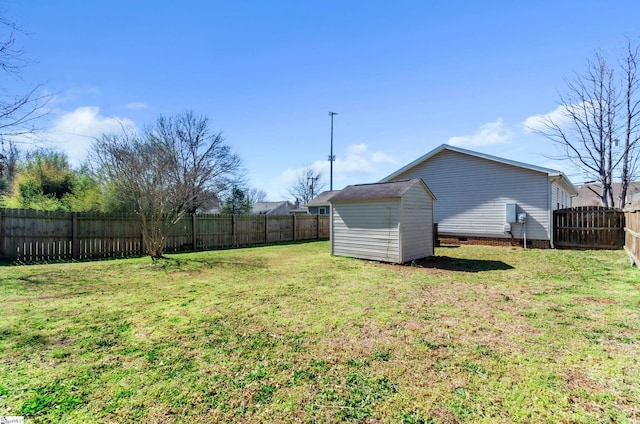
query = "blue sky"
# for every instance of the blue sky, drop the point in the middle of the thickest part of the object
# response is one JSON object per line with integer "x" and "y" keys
{"x": 403, "y": 76}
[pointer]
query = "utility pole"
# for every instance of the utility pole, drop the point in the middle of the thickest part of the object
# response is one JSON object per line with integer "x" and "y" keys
{"x": 332, "y": 158}
{"x": 312, "y": 184}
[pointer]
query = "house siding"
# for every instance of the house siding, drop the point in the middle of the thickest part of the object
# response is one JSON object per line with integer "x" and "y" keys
{"x": 366, "y": 230}
{"x": 560, "y": 198}
{"x": 473, "y": 192}
{"x": 416, "y": 237}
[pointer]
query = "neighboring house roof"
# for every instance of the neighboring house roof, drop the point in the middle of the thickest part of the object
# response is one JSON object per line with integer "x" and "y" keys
{"x": 382, "y": 190}
{"x": 550, "y": 172}
{"x": 299, "y": 210}
{"x": 272, "y": 208}
{"x": 323, "y": 198}
{"x": 586, "y": 197}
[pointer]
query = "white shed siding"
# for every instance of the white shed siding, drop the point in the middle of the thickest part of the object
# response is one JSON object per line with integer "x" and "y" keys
{"x": 416, "y": 235}
{"x": 367, "y": 230}
{"x": 472, "y": 193}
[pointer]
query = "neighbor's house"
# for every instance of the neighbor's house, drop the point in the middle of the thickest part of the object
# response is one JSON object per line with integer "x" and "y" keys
{"x": 320, "y": 205}
{"x": 272, "y": 208}
{"x": 389, "y": 222}
{"x": 587, "y": 194}
{"x": 483, "y": 198}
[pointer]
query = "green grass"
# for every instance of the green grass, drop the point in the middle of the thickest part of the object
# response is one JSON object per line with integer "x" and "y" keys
{"x": 291, "y": 334}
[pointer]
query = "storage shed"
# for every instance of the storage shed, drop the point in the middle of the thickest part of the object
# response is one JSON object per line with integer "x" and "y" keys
{"x": 389, "y": 222}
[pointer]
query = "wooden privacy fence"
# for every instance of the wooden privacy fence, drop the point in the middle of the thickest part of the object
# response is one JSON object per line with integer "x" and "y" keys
{"x": 37, "y": 236}
{"x": 632, "y": 232}
{"x": 588, "y": 227}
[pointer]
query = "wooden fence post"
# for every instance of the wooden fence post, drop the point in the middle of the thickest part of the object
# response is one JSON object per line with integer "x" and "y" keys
{"x": 75, "y": 244}
{"x": 294, "y": 227}
{"x": 194, "y": 236}
{"x": 266, "y": 229}
{"x": 234, "y": 231}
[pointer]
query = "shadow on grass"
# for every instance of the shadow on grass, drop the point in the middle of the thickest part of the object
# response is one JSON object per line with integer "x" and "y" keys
{"x": 186, "y": 263}
{"x": 460, "y": 264}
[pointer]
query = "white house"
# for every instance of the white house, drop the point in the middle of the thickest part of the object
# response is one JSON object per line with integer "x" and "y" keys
{"x": 389, "y": 222}
{"x": 320, "y": 205}
{"x": 477, "y": 193}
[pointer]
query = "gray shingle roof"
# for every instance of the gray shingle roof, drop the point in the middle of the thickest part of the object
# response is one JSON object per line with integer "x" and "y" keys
{"x": 323, "y": 198}
{"x": 267, "y": 208}
{"x": 385, "y": 190}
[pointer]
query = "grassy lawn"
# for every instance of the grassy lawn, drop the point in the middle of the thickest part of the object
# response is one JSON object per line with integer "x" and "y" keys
{"x": 291, "y": 334}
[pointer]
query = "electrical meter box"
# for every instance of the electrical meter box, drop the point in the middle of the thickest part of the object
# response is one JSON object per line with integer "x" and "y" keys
{"x": 522, "y": 218}
{"x": 511, "y": 212}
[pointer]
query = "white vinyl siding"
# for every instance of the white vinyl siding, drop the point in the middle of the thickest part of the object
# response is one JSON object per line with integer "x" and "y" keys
{"x": 368, "y": 230}
{"x": 416, "y": 235}
{"x": 472, "y": 194}
{"x": 560, "y": 198}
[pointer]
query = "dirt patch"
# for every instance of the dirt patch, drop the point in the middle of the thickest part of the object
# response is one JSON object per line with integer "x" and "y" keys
{"x": 576, "y": 379}
{"x": 63, "y": 342}
{"x": 600, "y": 300}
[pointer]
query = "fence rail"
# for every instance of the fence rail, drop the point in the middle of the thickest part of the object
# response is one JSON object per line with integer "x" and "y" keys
{"x": 632, "y": 232}
{"x": 38, "y": 236}
{"x": 588, "y": 228}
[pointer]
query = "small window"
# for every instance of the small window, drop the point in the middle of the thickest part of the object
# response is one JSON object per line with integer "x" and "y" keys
{"x": 322, "y": 211}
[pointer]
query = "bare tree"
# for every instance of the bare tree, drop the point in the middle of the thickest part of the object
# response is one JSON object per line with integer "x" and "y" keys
{"x": 308, "y": 184}
{"x": 166, "y": 173}
{"x": 631, "y": 125}
{"x": 202, "y": 163}
{"x": 597, "y": 113}
{"x": 18, "y": 112}
{"x": 256, "y": 195}
{"x": 585, "y": 130}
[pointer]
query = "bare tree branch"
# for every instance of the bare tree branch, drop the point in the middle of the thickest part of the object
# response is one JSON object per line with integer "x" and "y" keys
{"x": 18, "y": 113}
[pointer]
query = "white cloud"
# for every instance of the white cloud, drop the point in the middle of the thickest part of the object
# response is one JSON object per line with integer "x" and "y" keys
{"x": 487, "y": 135}
{"x": 358, "y": 165}
{"x": 359, "y": 160}
{"x": 536, "y": 123}
{"x": 73, "y": 132}
{"x": 136, "y": 105}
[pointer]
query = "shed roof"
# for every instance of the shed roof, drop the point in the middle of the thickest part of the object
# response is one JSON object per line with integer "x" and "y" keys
{"x": 383, "y": 190}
